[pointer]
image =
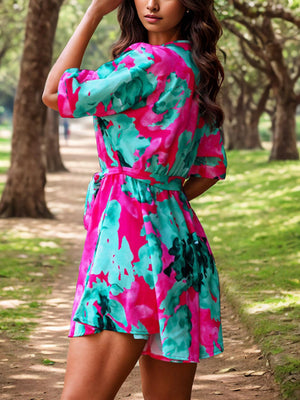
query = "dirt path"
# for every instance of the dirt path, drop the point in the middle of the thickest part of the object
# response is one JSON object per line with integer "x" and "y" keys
{"x": 239, "y": 373}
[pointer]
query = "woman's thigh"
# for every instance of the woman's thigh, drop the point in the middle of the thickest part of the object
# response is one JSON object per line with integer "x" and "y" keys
{"x": 163, "y": 380}
{"x": 97, "y": 365}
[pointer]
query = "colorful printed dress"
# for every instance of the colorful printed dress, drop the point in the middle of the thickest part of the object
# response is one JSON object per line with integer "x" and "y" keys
{"x": 147, "y": 268}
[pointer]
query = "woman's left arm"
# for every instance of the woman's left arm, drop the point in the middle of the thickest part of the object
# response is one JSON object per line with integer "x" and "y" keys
{"x": 71, "y": 56}
{"x": 195, "y": 186}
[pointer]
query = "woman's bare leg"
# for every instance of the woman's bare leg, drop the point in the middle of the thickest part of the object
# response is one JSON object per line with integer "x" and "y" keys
{"x": 98, "y": 365}
{"x": 163, "y": 380}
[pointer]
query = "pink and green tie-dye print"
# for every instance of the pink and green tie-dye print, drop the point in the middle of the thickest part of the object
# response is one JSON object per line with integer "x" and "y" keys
{"x": 147, "y": 268}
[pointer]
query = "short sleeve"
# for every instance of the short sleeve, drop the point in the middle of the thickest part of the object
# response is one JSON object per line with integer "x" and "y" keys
{"x": 115, "y": 87}
{"x": 210, "y": 161}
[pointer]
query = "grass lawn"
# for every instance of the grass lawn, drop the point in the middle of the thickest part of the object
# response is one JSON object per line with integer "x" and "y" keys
{"x": 27, "y": 268}
{"x": 252, "y": 220}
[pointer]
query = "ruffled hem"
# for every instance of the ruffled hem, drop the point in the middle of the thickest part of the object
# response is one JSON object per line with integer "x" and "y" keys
{"x": 148, "y": 348}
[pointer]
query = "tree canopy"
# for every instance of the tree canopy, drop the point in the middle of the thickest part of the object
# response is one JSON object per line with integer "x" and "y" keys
{"x": 268, "y": 35}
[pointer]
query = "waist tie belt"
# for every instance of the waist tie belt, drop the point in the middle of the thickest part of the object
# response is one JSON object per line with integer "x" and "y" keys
{"x": 163, "y": 182}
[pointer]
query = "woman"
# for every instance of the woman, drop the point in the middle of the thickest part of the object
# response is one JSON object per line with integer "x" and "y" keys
{"x": 148, "y": 288}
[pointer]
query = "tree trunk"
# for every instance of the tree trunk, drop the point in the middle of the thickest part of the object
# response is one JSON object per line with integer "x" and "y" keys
{"x": 24, "y": 194}
{"x": 231, "y": 133}
{"x": 232, "y": 124}
{"x": 240, "y": 133}
{"x": 252, "y": 138}
{"x": 52, "y": 153}
{"x": 284, "y": 145}
{"x": 241, "y": 122}
{"x": 241, "y": 130}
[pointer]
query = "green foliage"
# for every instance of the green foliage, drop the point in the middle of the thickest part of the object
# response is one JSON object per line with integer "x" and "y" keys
{"x": 265, "y": 128}
{"x": 12, "y": 18}
{"x": 288, "y": 373}
{"x": 252, "y": 221}
{"x": 4, "y": 157}
{"x": 46, "y": 361}
{"x": 224, "y": 9}
{"x": 98, "y": 50}
{"x": 27, "y": 268}
{"x": 12, "y": 26}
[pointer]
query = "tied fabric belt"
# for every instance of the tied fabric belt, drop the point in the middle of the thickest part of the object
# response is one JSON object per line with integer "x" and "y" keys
{"x": 163, "y": 182}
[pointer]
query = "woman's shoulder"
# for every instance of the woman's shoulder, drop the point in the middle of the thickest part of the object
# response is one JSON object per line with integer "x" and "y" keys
{"x": 167, "y": 48}
{"x": 167, "y": 55}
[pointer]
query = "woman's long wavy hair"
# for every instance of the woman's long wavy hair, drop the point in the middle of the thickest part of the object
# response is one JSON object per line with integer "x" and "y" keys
{"x": 201, "y": 27}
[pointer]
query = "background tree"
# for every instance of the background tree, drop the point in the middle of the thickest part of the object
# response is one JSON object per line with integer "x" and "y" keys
{"x": 269, "y": 32}
{"x": 97, "y": 53}
{"x": 244, "y": 96}
{"x": 243, "y": 113}
{"x": 53, "y": 160}
{"x": 23, "y": 194}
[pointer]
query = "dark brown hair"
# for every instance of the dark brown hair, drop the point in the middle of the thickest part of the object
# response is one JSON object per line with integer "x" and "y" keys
{"x": 201, "y": 27}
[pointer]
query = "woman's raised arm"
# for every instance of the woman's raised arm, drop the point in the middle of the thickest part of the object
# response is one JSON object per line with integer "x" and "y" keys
{"x": 71, "y": 56}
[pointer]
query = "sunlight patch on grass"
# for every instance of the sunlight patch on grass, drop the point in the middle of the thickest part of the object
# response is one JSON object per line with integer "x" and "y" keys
{"x": 4, "y": 155}
{"x": 27, "y": 269}
{"x": 281, "y": 300}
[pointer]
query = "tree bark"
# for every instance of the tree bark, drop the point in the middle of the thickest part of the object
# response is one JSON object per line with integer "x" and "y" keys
{"x": 241, "y": 119}
{"x": 24, "y": 194}
{"x": 284, "y": 146}
{"x": 54, "y": 162}
{"x": 284, "y": 138}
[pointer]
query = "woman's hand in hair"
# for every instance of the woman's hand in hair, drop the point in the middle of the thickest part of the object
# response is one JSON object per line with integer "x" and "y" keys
{"x": 103, "y": 7}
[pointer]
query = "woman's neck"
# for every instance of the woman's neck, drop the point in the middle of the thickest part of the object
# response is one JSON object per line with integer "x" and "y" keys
{"x": 158, "y": 38}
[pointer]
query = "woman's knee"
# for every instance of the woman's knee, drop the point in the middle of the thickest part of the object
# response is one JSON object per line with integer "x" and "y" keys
{"x": 166, "y": 380}
{"x": 73, "y": 395}
{"x": 165, "y": 395}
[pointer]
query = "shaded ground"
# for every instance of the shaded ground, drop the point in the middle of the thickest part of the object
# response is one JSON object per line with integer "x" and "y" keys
{"x": 239, "y": 373}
